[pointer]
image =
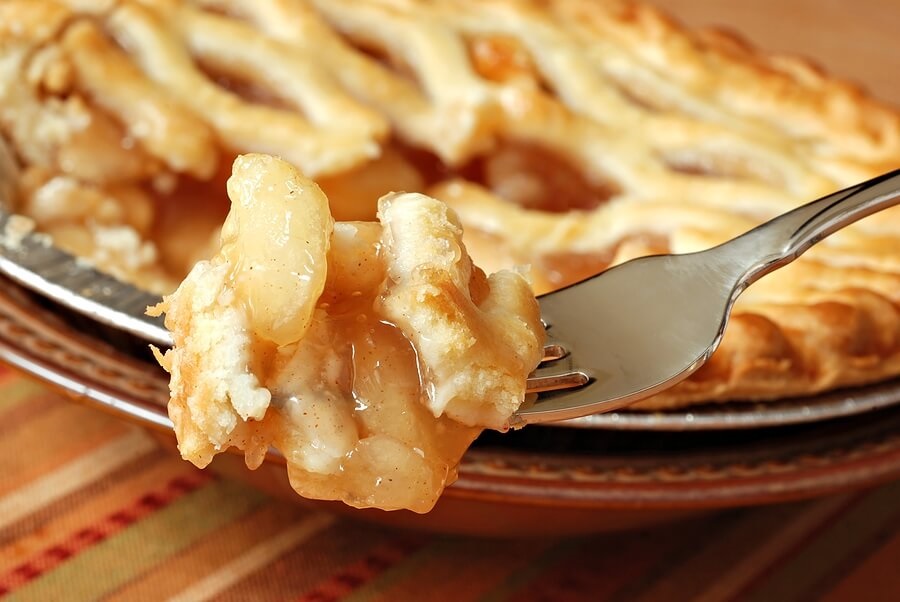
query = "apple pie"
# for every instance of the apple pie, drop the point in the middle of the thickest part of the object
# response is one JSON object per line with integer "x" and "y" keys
{"x": 568, "y": 135}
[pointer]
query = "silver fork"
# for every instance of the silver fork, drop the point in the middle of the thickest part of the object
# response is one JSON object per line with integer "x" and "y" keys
{"x": 645, "y": 325}
{"x": 613, "y": 339}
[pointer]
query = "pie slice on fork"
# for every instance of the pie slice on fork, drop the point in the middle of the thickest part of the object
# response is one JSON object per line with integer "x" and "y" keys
{"x": 370, "y": 354}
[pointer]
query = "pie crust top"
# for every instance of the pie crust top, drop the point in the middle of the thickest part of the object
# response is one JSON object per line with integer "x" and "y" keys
{"x": 569, "y": 135}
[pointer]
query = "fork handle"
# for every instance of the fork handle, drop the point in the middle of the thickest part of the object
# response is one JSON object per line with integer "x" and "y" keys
{"x": 788, "y": 236}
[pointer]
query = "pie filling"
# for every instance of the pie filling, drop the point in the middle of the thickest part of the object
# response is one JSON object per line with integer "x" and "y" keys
{"x": 370, "y": 354}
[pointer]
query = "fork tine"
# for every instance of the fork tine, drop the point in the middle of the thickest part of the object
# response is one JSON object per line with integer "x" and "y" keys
{"x": 542, "y": 383}
{"x": 553, "y": 352}
{"x": 556, "y": 372}
{"x": 551, "y": 374}
{"x": 554, "y": 349}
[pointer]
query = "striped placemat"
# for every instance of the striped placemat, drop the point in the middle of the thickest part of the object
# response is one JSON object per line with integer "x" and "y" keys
{"x": 91, "y": 508}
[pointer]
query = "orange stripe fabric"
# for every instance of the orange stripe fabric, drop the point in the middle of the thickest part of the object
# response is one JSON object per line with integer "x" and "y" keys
{"x": 585, "y": 571}
{"x": 206, "y": 555}
{"x": 364, "y": 570}
{"x": 320, "y": 557}
{"x": 70, "y": 517}
{"x": 47, "y": 559}
{"x": 92, "y": 508}
{"x": 27, "y": 452}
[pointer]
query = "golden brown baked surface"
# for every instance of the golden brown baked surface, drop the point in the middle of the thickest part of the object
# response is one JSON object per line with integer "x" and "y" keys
{"x": 566, "y": 134}
{"x": 369, "y": 354}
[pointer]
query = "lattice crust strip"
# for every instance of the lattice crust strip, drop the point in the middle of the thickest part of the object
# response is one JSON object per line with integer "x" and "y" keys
{"x": 692, "y": 137}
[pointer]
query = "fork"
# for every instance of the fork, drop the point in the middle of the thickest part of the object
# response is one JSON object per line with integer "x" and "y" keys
{"x": 643, "y": 326}
{"x": 613, "y": 339}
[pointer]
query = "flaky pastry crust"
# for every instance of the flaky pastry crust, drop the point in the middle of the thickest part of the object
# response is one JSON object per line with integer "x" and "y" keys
{"x": 566, "y": 134}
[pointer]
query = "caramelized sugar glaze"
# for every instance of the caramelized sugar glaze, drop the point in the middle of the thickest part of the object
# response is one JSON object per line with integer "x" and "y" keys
{"x": 568, "y": 135}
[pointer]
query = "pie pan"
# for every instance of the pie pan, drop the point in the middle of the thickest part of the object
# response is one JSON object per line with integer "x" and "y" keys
{"x": 626, "y": 470}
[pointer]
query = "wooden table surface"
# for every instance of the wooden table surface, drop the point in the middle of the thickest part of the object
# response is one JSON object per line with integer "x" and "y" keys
{"x": 857, "y": 40}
